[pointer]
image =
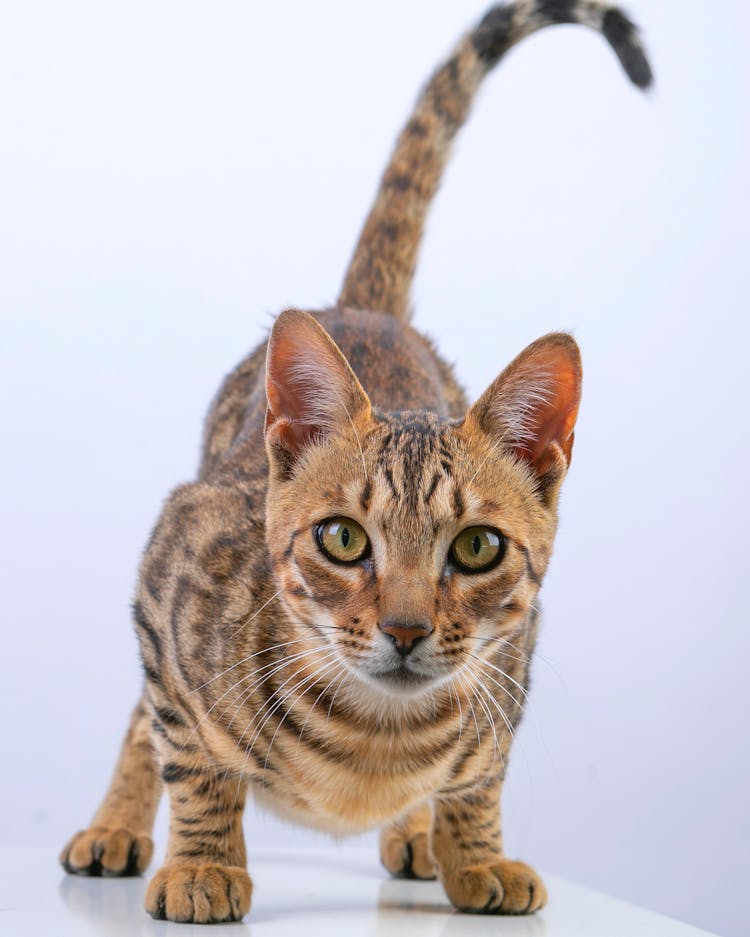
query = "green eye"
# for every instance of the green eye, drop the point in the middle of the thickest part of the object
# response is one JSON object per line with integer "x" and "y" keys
{"x": 342, "y": 540}
{"x": 477, "y": 549}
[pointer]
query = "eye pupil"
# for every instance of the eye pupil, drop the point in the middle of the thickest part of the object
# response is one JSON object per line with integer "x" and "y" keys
{"x": 476, "y": 544}
{"x": 345, "y": 536}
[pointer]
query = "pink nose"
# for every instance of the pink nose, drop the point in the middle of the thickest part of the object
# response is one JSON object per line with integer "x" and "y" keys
{"x": 406, "y": 634}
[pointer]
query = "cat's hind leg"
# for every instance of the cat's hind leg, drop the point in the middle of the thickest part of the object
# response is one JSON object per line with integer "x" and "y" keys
{"x": 118, "y": 842}
{"x": 405, "y": 849}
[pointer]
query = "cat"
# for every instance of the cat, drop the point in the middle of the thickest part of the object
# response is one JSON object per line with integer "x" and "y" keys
{"x": 339, "y": 613}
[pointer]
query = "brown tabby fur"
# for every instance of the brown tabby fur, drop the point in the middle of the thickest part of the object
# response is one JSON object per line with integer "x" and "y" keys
{"x": 263, "y": 659}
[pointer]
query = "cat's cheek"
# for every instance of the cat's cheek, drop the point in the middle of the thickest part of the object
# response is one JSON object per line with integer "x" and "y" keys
{"x": 472, "y": 598}
{"x": 347, "y": 594}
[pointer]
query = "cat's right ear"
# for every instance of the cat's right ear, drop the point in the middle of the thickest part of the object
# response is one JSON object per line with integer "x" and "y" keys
{"x": 312, "y": 391}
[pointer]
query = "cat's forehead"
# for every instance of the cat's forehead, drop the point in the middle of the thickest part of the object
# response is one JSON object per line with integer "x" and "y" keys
{"x": 415, "y": 467}
{"x": 410, "y": 476}
{"x": 413, "y": 436}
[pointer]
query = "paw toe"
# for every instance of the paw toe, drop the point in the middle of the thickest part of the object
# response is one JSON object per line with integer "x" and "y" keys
{"x": 200, "y": 894}
{"x": 503, "y": 887}
{"x": 407, "y": 856}
{"x": 109, "y": 852}
{"x": 524, "y": 891}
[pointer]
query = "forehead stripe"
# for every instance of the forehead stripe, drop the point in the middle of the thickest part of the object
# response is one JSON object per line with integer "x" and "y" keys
{"x": 364, "y": 498}
{"x": 391, "y": 484}
{"x": 458, "y": 502}
{"x": 433, "y": 485}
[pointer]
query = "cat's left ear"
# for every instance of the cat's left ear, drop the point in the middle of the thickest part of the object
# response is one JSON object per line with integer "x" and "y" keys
{"x": 311, "y": 389}
{"x": 531, "y": 408}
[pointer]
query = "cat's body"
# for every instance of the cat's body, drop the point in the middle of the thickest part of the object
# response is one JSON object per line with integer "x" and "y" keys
{"x": 343, "y": 618}
{"x": 384, "y": 352}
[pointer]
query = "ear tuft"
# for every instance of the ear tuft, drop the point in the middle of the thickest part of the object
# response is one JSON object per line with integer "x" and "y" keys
{"x": 531, "y": 408}
{"x": 312, "y": 391}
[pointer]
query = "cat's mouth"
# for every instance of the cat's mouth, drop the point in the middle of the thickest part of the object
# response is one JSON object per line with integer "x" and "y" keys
{"x": 402, "y": 677}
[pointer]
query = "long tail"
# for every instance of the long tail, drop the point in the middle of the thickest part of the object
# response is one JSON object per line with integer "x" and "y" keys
{"x": 382, "y": 268}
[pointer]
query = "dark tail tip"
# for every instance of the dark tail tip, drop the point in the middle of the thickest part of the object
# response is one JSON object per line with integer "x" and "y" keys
{"x": 622, "y": 35}
{"x": 492, "y": 37}
{"x": 500, "y": 29}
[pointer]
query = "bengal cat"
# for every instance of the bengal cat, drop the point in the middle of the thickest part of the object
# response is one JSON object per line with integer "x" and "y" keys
{"x": 342, "y": 618}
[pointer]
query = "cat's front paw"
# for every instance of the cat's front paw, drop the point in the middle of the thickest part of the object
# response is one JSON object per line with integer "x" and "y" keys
{"x": 502, "y": 887}
{"x": 107, "y": 851}
{"x": 407, "y": 855}
{"x": 199, "y": 894}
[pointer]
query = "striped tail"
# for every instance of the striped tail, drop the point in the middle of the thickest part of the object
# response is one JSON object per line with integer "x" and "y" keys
{"x": 382, "y": 269}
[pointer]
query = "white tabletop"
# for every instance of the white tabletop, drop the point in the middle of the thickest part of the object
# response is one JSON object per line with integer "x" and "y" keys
{"x": 336, "y": 892}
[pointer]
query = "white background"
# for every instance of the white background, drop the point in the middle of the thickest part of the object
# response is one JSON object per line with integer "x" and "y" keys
{"x": 173, "y": 174}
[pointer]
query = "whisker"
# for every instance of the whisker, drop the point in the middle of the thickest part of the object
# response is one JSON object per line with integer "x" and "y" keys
{"x": 256, "y": 715}
{"x": 278, "y": 665}
{"x": 460, "y": 712}
{"x": 240, "y": 700}
{"x": 275, "y": 707}
{"x": 270, "y": 668}
{"x": 317, "y": 700}
{"x": 476, "y": 724}
{"x": 504, "y": 718}
{"x": 480, "y": 700}
{"x": 543, "y": 659}
{"x": 273, "y": 701}
{"x": 500, "y": 709}
{"x": 494, "y": 448}
{"x": 354, "y": 430}
{"x": 248, "y": 749}
{"x": 487, "y": 641}
{"x": 244, "y": 660}
{"x": 524, "y": 658}
{"x": 502, "y": 673}
{"x": 511, "y": 730}
{"x": 335, "y": 693}
{"x": 249, "y": 620}
{"x": 312, "y": 679}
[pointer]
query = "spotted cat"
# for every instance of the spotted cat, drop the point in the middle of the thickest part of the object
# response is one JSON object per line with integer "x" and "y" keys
{"x": 339, "y": 613}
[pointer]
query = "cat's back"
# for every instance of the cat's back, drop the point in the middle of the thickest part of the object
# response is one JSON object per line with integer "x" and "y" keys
{"x": 397, "y": 366}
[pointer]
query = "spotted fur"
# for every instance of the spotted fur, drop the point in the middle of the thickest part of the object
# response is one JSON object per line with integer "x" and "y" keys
{"x": 269, "y": 667}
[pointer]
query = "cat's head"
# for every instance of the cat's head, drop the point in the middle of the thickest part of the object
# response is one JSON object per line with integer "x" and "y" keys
{"x": 411, "y": 544}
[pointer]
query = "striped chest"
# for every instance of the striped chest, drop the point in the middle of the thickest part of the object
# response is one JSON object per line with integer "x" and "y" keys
{"x": 344, "y": 778}
{"x": 350, "y": 796}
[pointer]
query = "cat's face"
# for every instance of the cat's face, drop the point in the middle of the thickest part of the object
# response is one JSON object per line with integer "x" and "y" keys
{"x": 412, "y": 556}
{"x": 409, "y": 545}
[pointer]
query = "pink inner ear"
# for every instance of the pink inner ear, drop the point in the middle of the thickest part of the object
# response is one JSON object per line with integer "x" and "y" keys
{"x": 552, "y": 420}
{"x": 310, "y": 387}
{"x": 291, "y": 436}
{"x": 290, "y": 393}
{"x": 296, "y": 375}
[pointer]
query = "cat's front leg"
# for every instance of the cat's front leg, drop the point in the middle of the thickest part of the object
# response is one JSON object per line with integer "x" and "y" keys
{"x": 204, "y": 879}
{"x": 118, "y": 841}
{"x": 467, "y": 844}
{"x": 405, "y": 845}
